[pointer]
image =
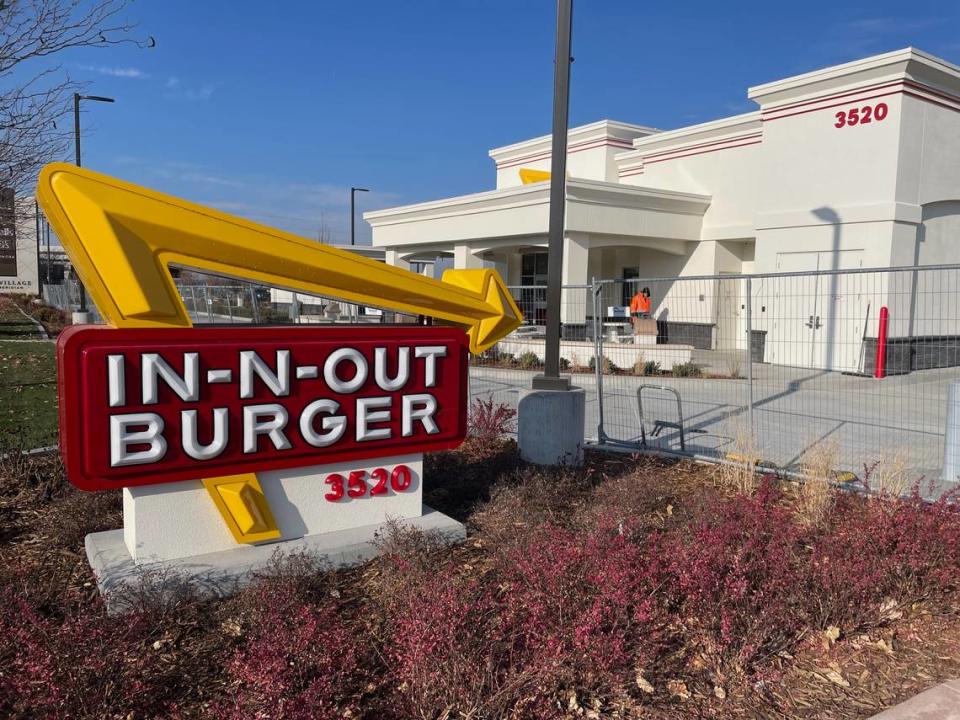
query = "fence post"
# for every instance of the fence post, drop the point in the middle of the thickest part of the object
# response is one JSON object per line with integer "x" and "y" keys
{"x": 749, "y": 322}
{"x": 209, "y": 303}
{"x": 951, "y": 435}
{"x": 254, "y": 307}
{"x": 597, "y": 289}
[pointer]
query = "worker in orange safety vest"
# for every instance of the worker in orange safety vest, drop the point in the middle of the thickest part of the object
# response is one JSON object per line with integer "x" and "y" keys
{"x": 640, "y": 309}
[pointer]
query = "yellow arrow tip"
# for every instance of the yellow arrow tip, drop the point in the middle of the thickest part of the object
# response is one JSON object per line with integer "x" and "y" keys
{"x": 504, "y": 317}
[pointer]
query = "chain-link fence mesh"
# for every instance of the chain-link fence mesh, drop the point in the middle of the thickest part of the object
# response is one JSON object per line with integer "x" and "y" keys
{"x": 776, "y": 366}
{"x": 786, "y": 367}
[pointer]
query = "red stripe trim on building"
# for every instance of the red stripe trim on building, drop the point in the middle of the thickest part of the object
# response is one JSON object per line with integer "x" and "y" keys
{"x": 931, "y": 91}
{"x": 828, "y": 107}
{"x": 632, "y": 172}
{"x": 931, "y": 100}
{"x": 585, "y": 145}
{"x": 704, "y": 152}
{"x": 826, "y": 98}
{"x": 682, "y": 148}
{"x": 776, "y": 114}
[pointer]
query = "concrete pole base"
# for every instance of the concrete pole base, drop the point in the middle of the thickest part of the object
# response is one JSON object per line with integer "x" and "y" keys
{"x": 80, "y": 318}
{"x": 550, "y": 426}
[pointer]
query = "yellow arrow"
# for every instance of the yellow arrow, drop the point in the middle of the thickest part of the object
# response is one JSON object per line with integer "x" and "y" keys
{"x": 122, "y": 238}
{"x": 528, "y": 176}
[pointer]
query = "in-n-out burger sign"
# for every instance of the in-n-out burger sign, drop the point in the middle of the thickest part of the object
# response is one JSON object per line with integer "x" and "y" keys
{"x": 142, "y": 406}
{"x": 333, "y": 420}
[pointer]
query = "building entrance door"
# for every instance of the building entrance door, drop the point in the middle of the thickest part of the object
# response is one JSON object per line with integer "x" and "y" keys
{"x": 731, "y": 332}
{"x": 818, "y": 319}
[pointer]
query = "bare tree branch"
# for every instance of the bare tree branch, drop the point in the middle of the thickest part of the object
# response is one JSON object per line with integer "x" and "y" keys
{"x": 35, "y": 104}
{"x": 324, "y": 235}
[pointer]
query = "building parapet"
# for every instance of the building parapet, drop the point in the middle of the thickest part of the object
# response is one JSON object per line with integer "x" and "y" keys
{"x": 736, "y": 131}
{"x": 603, "y": 133}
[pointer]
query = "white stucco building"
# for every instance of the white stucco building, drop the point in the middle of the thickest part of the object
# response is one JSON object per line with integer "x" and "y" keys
{"x": 856, "y": 165}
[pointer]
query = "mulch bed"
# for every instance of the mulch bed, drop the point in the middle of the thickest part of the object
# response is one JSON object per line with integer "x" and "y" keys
{"x": 185, "y": 657}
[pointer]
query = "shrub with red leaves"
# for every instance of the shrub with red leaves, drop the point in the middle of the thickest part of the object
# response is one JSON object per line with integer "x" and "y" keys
{"x": 578, "y": 613}
{"x": 878, "y": 554}
{"x": 87, "y": 665}
{"x": 299, "y": 659}
{"x": 440, "y": 650}
{"x": 488, "y": 422}
{"x": 734, "y": 578}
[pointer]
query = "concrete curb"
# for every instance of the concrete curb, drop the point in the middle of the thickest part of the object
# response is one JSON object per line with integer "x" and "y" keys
{"x": 938, "y": 703}
{"x": 44, "y": 335}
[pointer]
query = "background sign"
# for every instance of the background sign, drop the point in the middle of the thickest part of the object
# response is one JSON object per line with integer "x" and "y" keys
{"x": 145, "y": 406}
{"x": 8, "y": 234}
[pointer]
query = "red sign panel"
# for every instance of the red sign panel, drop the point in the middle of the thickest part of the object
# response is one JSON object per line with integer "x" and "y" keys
{"x": 146, "y": 405}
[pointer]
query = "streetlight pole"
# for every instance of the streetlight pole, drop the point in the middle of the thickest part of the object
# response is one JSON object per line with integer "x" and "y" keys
{"x": 353, "y": 192}
{"x": 77, "y": 97}
{"x": 551, "y": 380}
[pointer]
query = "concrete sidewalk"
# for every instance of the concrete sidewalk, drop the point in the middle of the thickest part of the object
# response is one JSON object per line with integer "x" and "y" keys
{"x": 938, "y": 703}
{"x": 899, "y": 418}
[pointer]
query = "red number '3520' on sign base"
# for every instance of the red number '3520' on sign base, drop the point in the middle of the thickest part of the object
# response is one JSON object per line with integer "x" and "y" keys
{"x": 154, "y": 405}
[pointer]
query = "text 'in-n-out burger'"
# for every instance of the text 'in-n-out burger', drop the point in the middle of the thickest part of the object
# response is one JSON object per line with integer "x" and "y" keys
{"x": 160, "y": 405}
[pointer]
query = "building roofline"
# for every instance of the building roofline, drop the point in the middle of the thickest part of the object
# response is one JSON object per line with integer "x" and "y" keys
{"x": 668, "y": 137}
{"x": 599, "y": 130}
{"x": 536, "y": 193}
{"x": 906, "y": 62}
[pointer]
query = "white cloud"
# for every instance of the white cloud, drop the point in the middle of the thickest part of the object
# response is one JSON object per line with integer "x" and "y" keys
{"x": 177, "y": 91}
{"x": 299, "y": 208}
{"x": 120, "y": 72}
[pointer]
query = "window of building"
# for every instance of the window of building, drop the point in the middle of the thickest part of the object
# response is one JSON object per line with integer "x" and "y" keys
{"x": 533, "y": 275}
{"x": 533, "y": 269}
{"x": 629, "y": 288}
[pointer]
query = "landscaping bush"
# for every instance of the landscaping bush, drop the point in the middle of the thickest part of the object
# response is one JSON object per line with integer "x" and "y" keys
{"x": 687, "y": 369}
{"x": 580, "y": 612}
{"x": 880, "y": 555}
{"x": 624, "y": 588}
{"x": 86, "y": 664}
{"x": 437, "y": 633}
{"x": 734, "y": 579}
{"x": 646, "y": 367}
{"x": 300, "y": 656}
{"x": 608, "y": 368}
{"x": 488, "y": 422}
{"x": 529, "y": 360}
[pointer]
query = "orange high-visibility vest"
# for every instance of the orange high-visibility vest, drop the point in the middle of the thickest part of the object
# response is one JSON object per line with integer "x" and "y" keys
{"x": 640, "y": 303}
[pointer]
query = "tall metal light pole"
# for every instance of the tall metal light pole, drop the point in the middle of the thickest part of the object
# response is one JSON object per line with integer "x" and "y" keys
{"x": 77, "y": 97}
{"x": 353, "y": 192}
{"x": 551, "y": 380}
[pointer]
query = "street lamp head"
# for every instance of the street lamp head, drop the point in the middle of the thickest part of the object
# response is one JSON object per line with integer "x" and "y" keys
{"x": 354, "y": 189}
{"x": 96, "y": 98}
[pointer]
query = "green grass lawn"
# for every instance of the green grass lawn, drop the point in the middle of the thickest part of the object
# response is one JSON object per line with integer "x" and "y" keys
{"x": 13, "y": 324}
{"x": 28, "y": 393}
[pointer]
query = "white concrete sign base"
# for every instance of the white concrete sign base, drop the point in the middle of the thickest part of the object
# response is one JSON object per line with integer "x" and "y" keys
{"x": 173, "y": 531}
{"x": 219, "y": 574}
{"x": 179, "y": 520}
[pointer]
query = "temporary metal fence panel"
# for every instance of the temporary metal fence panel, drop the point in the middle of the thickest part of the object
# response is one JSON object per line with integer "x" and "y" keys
{"x": 241, "y": 303}
{"x": 693, "y": 345}
{"x": 784, "y": 366}
{"x": 816, "y": 385}
{"x": 509, "y": 367}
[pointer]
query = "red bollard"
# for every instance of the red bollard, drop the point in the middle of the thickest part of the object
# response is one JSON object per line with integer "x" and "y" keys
{"x": 881, "y": 369}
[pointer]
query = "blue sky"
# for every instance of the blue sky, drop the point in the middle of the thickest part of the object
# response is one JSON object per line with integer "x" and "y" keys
{"x": 273, "y": 110}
